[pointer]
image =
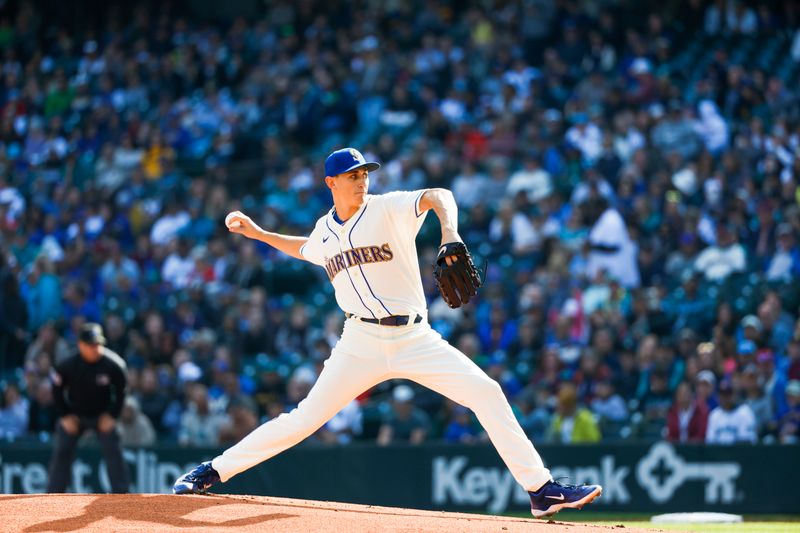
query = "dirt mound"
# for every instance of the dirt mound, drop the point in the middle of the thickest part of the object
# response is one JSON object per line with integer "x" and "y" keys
{"x": 243, "y": 514}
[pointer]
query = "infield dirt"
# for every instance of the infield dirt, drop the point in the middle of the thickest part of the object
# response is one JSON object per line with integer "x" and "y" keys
{"x": 162, "y": 513}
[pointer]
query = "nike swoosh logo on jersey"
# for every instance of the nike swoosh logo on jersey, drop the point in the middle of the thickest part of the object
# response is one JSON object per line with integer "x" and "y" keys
{"x": 325, "y": 239}
{"x": 560, "y": 497}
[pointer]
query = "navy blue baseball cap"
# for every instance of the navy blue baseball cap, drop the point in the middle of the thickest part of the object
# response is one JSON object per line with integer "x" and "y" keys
{"x": 92, "y": 333}
{"x": 345, "y": 160}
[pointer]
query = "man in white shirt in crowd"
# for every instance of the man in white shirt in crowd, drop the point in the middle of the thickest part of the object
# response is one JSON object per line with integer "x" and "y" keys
{"x": 730, "y": 423}
{"x": 722, "y": 259}
{"x": 531, "y": 178}
{"x": 611, "y": 248}
{"x": 785, "y": 262}
{"x": 585, "y": 136}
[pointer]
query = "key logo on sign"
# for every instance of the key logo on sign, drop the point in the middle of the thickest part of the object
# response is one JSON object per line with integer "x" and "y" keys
{"x": 662, "y": 471}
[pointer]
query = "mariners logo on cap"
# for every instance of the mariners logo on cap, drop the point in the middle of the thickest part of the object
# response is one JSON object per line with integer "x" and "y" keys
{"x": 357, "y": 155}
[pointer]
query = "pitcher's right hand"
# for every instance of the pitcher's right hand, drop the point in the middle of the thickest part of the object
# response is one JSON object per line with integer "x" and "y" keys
{"x": 238, "y": 222}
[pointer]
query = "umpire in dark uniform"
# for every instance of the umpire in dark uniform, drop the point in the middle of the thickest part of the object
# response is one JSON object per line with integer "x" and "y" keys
{"x": 88, "y": 392}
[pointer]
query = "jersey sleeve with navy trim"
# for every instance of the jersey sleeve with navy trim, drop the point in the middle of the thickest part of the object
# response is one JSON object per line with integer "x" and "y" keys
{"x": 312, "y": 250}
{"x": 402, "y": 207}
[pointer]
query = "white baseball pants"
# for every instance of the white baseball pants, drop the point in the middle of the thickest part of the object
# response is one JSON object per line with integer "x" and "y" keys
{"x": 368, "y": 354}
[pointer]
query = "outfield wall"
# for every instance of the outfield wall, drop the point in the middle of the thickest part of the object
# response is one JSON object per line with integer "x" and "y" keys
{"x": 656, "y": 477}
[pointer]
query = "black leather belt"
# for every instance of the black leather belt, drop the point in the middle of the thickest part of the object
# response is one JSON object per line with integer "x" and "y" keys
{"x": 394, "y": 320}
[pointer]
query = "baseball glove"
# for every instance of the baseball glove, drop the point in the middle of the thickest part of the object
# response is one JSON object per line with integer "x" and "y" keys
{"x": 459, "y": 281}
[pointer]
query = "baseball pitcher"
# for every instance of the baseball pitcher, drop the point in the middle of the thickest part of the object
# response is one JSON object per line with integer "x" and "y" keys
{"x": 366, "y": 244}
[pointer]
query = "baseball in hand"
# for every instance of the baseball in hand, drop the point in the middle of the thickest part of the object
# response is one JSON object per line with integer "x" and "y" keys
{"x": 230, "y": 223}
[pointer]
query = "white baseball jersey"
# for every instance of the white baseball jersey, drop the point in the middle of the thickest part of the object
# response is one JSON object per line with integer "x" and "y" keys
{"x": 371, "y": 259}
{"x": 728, "y": 427}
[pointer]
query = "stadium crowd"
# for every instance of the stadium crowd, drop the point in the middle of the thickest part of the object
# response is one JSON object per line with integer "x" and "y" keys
{"x": 629, "y": 170}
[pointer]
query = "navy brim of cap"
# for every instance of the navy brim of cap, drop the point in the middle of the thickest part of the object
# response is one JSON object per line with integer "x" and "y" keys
{"x": 371, "y": 167}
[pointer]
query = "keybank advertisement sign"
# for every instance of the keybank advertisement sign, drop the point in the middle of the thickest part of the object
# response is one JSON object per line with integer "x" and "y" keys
{"x": 655, "y": 477}
{"x": 659, "y": 473}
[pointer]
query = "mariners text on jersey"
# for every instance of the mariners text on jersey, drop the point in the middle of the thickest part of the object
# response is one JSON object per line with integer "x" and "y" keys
{"x": 371, "y": 258}
{"x": 357, "y": 256}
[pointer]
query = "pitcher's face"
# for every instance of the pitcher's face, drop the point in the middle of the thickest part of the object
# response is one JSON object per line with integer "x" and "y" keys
{"x": 352, "y": 186}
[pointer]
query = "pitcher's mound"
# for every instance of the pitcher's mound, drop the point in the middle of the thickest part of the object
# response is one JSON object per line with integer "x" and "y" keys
{"x": 147, "y": 513}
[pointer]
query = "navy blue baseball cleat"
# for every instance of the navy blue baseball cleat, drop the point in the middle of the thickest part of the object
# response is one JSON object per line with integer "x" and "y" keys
{"x": 197, "y": 481}
{"x": 554, "y": 496}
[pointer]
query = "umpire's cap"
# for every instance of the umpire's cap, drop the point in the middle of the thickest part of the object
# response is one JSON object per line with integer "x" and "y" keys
{"x": 345, "y": 160}
{"x": 92, "y": 333}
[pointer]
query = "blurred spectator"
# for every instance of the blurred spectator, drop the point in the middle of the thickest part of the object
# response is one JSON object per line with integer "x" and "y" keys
{"x": 294, "y": 335}
{"x": 675, "y": 133}
{"x": 773, "y": 380}
{"x": 722, "y": 259}
{"x": 535, "y": 412}
{"x": 572, "y": 424}
{"x": 78, "y": 304}
{"x": 513, "y": 231}
{"x": 531, "y": 179}
{"x": 13, "y": 323}
{"x": 271, "y": 386}
{"x": 607, "y": 405}
{"x": 405, "y": 422}
{"x": 655, "y": 403}
{"x": 345, "y": 425}
{"x": 200, "y": 426}
{"x": 793, "y": 363}
{"x": 751, "y": 328}
{"x": 167, "y": 227}
{"x": 13, "y": 414}
{"x": 706, "y": 384}
{"x": 460, "y": 428}
{"x": 789, "y": 423}
{"x": 299, "y": 386}
{"x": 42, "y": 415}
{"x": 242, "y": 419}
{"x": 739, "y": 18}
{"x": 731, "y": 422}
{"x": 43, "y": 293}
{"x": 152, "y": 398}
{"x": 688, "y": 307}
{"x": 611, "y": 248}
{"x": 680, "y": 263}
{"x": 498, "y": 332}
{"x": 711, "y": 127}
{"x": 48, "y": 342}
{"x": 591, "y": 371}
{"x": 247, "y": 272}
{"x": 469, "y": 186}
{"x": 754, "y": 397}
{"x": 179, "y": 265}
{"x": 784, "y": 265}
{"x": 777, "y": 324}
{"x": 118, "y": 268}
{"x": 157, "y": 157}
{"x": 687, "y": 419}
{"x": 585, "y": 136}
{"x": 135, "y": 429}
{"x": 796, "y": 46}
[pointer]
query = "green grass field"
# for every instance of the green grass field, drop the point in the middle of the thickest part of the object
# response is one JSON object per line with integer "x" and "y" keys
{"x": 751, "y": 524}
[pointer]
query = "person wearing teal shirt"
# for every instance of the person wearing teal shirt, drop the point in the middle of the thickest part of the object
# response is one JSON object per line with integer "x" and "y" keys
{"x": 42, "y": 292}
